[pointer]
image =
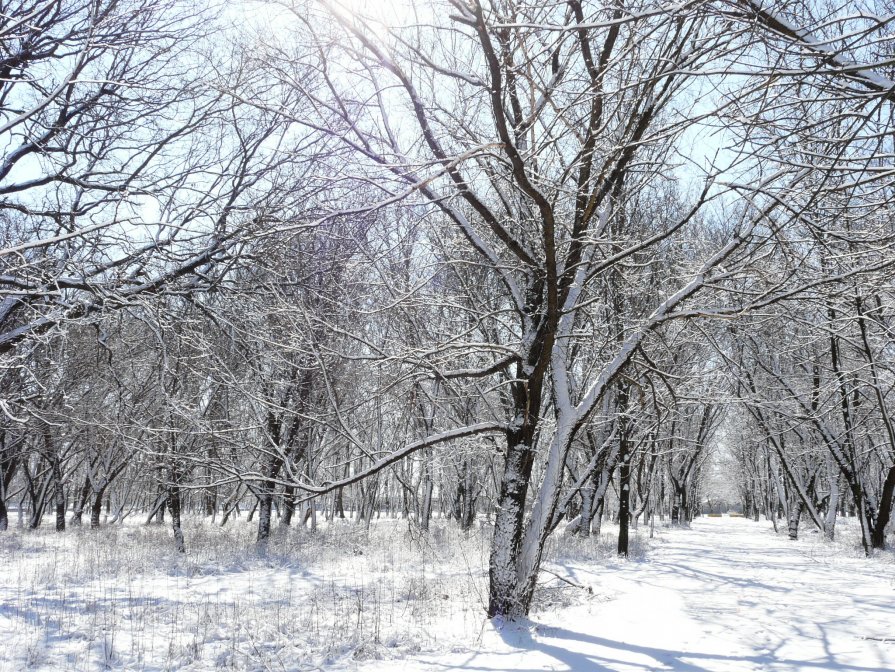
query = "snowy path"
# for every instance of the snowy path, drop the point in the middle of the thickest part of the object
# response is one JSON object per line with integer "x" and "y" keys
{"x": 727, "y": 595}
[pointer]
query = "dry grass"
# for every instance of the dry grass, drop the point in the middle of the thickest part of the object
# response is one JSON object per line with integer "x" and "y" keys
{"x": 121, "y": 598}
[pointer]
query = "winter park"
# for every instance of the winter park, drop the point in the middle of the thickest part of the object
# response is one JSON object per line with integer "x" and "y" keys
{"x": 435, "y": 335}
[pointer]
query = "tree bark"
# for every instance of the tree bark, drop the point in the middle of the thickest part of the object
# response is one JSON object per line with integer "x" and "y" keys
{"x": 288, "y": 506}
{"x": 174, "y": 510}
{"x": 96, "y": 509}
{"x": 503, "y": 599}
{"x": 58, "y": 494}
{"x": 624, "y": 493}
{"x": 795, "y": 516}
{"x": 878, "y": 534}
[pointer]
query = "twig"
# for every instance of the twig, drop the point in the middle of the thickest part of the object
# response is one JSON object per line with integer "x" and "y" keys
{"x": 589, "y": 590}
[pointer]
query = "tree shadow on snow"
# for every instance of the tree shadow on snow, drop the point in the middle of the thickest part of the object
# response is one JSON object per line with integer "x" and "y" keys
{"x": 576, "y": 651}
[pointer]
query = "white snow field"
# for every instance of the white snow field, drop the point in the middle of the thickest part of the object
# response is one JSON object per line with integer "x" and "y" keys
{"x": 727, "y": 595}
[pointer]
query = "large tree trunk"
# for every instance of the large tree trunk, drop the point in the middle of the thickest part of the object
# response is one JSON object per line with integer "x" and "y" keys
{"x": 504, "y": 598}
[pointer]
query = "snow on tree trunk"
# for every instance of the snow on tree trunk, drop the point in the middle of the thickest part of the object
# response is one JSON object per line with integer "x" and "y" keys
{"x": 624, "y": 486}
{"x": 833, "y": 503}
{"x": 173, "y": 503}
{"x": 265, "y": 507}
{"x": 795, "y": 516}
{"x": 58, "y": 494}
{"x": 504, "y": 598}
{"x": 587, "y": 506}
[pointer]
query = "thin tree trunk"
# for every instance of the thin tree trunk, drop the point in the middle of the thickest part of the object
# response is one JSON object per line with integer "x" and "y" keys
{"x": 833, "y": 503}
{"x": 878, "y": 534}
{"x": 795, "y": 515}
{"x": 624, "y": 496}
{"x": 81, "y": 503}
{"x": 4, "y": 514}
{"x": 426, "y": 504}
{"x": 174, "y": 510}
{"x": 58, "y": 495}
{"x": 7, "y": 467}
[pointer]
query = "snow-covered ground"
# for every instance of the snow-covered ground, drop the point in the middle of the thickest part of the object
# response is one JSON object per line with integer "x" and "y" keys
{"x": 726, "y": 595}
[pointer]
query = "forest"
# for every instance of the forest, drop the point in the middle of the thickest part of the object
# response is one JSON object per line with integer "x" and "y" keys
{"x": 504, "y": 275}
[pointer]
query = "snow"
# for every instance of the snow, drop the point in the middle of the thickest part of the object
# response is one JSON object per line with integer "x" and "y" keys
{"x": 727, "y": 595}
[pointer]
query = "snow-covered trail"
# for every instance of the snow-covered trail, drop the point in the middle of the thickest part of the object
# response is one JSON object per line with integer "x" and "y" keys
{"x": 726, "y": 595}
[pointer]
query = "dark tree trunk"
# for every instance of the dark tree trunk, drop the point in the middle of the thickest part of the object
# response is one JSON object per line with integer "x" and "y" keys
{"x": 878, "y": 533}
{"x": 464, "y": 500}
{"x": 58, "y": 495}
{"x": 265, "y": 499}
{"x": 265, "y": 507}
{"x": 288, "y": 506}
{"x": 96, "y": 509}
{"x": 679, "y": 507}
{"x": 457, "y": 501}
{"x": 624, "y": 497}
{"x": 160, "y": 512}
{"x": 174, "y": 510}
{"x": 425, "y": 513}
{"x": 795, "y": 516}
{"x": 7, "y": 469}
{"x": 81, "y": 503}
{"x": 211, "y": 501}
{"x": 468, "y": 518}
{"x": 596, "y": 522}
{"x": 624, "y": 477}
{"x": 503, "y": 599}
{"x": 38, "y": 502}
{"x": 340, "y": 504}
